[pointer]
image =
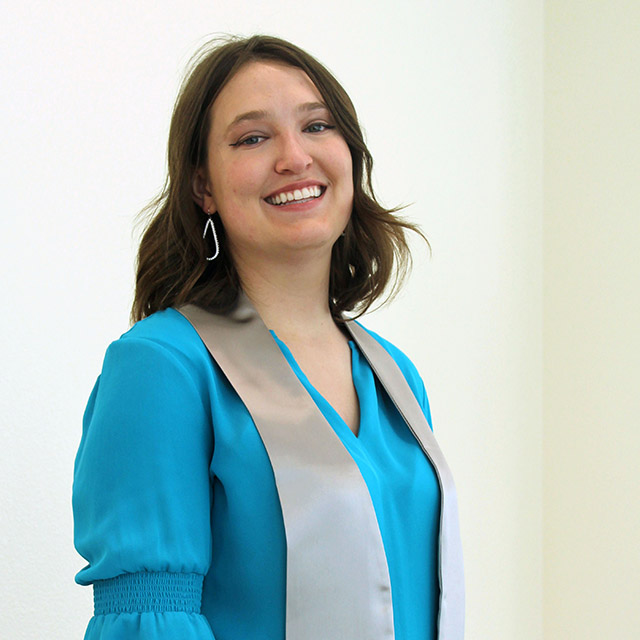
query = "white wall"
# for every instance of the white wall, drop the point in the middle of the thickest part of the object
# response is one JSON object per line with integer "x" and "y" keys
{"x": 592, "y": 320}
{"x": 450, "y": 95}
{"x": 471, "y": 318}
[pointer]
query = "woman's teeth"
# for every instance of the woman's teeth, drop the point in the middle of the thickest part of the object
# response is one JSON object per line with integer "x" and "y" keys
{"x": 299, "y": 195}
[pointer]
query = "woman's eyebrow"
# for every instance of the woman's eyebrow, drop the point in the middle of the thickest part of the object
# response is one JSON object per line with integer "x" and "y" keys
{"x": 262, "y": 114}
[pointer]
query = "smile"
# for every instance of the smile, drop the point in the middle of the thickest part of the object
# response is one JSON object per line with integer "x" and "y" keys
{"x": 299, "y": 195}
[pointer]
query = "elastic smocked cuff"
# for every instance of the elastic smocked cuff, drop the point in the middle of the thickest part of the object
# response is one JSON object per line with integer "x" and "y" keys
{"x": 157, "y": 591}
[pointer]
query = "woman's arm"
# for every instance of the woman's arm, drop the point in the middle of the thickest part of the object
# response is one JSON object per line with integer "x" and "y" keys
{"x": 142, "y": 496}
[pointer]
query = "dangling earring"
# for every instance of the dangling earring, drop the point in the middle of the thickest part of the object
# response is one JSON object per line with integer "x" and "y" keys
{"x": 208, "y": 224}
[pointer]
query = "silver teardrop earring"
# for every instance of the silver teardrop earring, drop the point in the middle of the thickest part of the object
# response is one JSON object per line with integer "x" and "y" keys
{"x": 208, "y": 224}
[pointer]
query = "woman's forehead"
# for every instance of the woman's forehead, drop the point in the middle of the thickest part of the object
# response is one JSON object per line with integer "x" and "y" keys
{"x": 257, "y": 87}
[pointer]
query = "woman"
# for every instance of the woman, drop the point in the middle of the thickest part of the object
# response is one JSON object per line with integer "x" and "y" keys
{"x": 243, "y": 472}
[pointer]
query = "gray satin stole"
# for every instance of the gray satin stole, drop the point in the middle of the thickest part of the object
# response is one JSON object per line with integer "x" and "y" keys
{"x": 338, "y": 585}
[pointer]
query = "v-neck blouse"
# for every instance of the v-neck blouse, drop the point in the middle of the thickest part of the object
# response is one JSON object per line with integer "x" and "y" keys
{"x": 173, "y": 489}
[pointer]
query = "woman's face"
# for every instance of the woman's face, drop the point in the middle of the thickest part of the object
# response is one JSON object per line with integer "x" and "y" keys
{"x": 278, "y": 173}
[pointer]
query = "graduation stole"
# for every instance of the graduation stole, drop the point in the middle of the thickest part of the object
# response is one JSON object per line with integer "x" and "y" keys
{"x": 338, "y": 584}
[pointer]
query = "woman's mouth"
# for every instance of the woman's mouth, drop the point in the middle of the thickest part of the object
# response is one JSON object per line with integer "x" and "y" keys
{"x": 298, "y": 196}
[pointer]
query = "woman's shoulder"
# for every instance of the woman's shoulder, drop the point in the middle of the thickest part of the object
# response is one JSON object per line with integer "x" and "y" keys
{"x": 164, "y": 336}
{"x": 408, "y": 369}
{"x": 167, "y": 328}
{"x": 402, "y": 360}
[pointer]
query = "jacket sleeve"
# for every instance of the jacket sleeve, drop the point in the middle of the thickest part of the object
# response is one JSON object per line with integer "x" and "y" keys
{"x": 142, "y": 496}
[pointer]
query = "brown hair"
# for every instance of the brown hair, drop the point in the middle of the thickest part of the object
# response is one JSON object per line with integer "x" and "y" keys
{"x": 372, "y": 255}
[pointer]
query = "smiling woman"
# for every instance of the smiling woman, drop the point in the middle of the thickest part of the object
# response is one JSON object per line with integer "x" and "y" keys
{"x": 254, "y": 463}
{"x": 253, "y": 161}
{"x": 368, "y": 262}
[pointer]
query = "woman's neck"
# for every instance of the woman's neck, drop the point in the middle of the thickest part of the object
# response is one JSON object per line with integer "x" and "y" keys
{"x": 292, "y": 299}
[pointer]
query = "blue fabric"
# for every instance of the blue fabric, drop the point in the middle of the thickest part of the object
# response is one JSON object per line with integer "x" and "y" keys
{"x": 158, "y": 591}
{"x": 171, "y": 478}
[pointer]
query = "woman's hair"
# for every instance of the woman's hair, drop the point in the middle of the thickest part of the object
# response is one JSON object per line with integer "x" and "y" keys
{"x": 371, "y": 257}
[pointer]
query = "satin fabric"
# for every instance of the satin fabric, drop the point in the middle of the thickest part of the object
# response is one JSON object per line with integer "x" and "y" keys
{"x": 148, "y": 476}
{"x": 452, "y": 594}
{"x": 335, "y": 557}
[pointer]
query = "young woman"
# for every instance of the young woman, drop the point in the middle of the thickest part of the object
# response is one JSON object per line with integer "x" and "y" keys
{"x": 255, "y": 464}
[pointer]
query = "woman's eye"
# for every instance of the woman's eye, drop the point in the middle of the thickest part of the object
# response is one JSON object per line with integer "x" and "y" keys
{"x": 249, "y": 141}
{"x": 319, "y": 127}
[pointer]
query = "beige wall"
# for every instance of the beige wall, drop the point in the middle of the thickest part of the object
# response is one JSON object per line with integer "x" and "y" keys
{"x": 592, "y": 320}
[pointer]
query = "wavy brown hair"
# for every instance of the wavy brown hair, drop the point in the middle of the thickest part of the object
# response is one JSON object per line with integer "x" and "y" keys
{"x": 371, "y": 258}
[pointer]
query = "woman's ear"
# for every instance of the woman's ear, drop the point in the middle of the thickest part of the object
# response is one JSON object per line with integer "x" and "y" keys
{"x": 201, "y": 192}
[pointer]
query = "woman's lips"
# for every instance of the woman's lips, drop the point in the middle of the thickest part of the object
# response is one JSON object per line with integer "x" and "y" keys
{"x": 297, "y": 197}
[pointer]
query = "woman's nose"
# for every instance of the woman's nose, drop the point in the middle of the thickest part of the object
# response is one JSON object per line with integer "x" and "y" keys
{"x": 293, "y": 157}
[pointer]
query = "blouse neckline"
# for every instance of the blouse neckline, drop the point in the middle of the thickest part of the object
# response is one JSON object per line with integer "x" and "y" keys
{"x": 328, "y": 411}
